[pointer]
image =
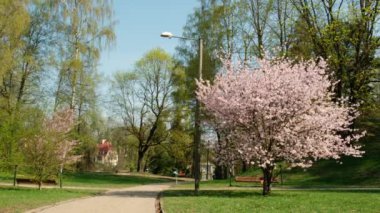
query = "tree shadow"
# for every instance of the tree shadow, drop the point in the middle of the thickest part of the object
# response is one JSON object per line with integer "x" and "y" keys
{"x": 138, "y": 194}
{"x": 258, "y": 193}
{"x": 212, "y": 193}
{"x": 110, "y": 178}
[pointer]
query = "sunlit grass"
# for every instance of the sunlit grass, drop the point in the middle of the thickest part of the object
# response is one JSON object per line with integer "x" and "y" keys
{"x": 219, "y": 201}
{"x": 96, "y": 179}
{"x": 21, "y": 199}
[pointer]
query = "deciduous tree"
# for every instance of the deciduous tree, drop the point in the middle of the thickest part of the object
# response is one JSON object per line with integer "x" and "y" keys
{"x": 281, "y": 111}
{"x": 143, "y": 100}
{"x": 50, "y": 147}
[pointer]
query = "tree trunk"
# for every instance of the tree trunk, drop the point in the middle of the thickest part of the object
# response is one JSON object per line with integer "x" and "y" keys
{"x": 121, "y": 159}
{"x": 22, "y": 83}
{"x": 230, "y": 174}
{"x": 56, "y": 101}
{"x": 60, "y": 176}
{"x": 219, "y": 172}
{"x": 267, "y": 172}
{"x": 15, "y": 176}
{"x": 146, "y": 164}
{"x": 139, "y": 161}
{"x": 79, "y": 116}
{"x": 225, "y": 172}
{"x": 244, "y": 166}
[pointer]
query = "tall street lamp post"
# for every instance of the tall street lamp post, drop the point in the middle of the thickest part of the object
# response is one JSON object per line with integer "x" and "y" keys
{"x": 197, "y": 133}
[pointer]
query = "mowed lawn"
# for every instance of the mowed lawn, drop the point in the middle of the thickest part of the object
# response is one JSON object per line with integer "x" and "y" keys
{"x": 109, "y": 180}
{"x": 363, "y": 172}
{"x": 219, "y": 201}
{"x": 20, "y": 199}
{"x": 97, "y": 179}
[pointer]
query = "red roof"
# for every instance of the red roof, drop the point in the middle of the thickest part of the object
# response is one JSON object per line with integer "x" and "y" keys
{"x": 104, "y": 147}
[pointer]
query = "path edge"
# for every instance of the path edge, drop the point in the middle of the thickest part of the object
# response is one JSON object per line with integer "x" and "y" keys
{"x": 158, "y": 204}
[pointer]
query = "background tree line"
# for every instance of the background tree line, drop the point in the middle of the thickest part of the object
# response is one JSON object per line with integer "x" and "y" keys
{"x": 344, "y": 33}
{"x": 49, "y": 51}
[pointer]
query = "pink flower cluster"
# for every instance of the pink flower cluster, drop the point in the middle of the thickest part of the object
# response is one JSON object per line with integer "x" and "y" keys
{"x": 60, "y": 125}
{"x": 61, "y": 122}
{"x": 281, "y": 111}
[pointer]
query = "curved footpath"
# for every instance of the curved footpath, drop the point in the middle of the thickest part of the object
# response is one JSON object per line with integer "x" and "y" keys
{"x": 133, "y": 199}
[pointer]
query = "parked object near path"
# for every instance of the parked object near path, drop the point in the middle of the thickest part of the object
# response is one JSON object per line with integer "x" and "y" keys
{"x": 251, "y": 179}
{"x": 32, "y": 181}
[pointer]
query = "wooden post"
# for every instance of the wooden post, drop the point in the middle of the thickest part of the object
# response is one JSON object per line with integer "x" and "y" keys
{"x": 60, "y": 178}
{"x": 14, "y": 175}
{"x": 207, "y": 165}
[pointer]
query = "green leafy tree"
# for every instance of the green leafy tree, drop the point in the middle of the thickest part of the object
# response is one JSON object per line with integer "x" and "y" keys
{"x": 344, "y": 33}
{"x": 143, "y": 100}
{"x": 85, "y": 28}
{"x": 14, "y": 21}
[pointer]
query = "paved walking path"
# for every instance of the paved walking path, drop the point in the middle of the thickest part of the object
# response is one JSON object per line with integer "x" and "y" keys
{"x": 134, "y": 199}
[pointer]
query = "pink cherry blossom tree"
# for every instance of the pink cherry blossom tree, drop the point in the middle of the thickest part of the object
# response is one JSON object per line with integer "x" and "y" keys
{"x": 281, "y": 111}
{"x": 50, "y": 146}
{"x": 59, "y": 127}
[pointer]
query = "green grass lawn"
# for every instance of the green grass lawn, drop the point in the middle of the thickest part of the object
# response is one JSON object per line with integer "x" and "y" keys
{"x": 216, "y": 196}
{"x": 108, "y": 180}
{"x": 21, "y": 199}
{"x": 97, "y": 179}
{"x": 219, "y": 201}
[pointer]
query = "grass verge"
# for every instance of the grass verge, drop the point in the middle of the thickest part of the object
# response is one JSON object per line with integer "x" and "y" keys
{"x": 97, "y": 179}
{"x": 176, "y": 201}
{"x": 20, "y": 199}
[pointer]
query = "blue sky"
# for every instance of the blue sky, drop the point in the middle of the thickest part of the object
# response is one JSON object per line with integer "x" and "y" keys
{"x": 138, "y": 29}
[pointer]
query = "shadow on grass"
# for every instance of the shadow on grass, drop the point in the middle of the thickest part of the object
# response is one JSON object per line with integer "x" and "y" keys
{"x": 110, "y": 178}
{"x": 139, "y": 194}
{"x": 211, "y": 193}
{"x": 258, "y": 193}
{"x": 240, "y": 185}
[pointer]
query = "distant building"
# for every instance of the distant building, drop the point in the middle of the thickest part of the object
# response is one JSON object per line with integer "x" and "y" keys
{"x": 106, "y": 155}
{"x": 211, "y": 170}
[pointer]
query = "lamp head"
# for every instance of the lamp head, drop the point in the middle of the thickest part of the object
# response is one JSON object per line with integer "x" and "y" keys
{"x": 166, "y": 35}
